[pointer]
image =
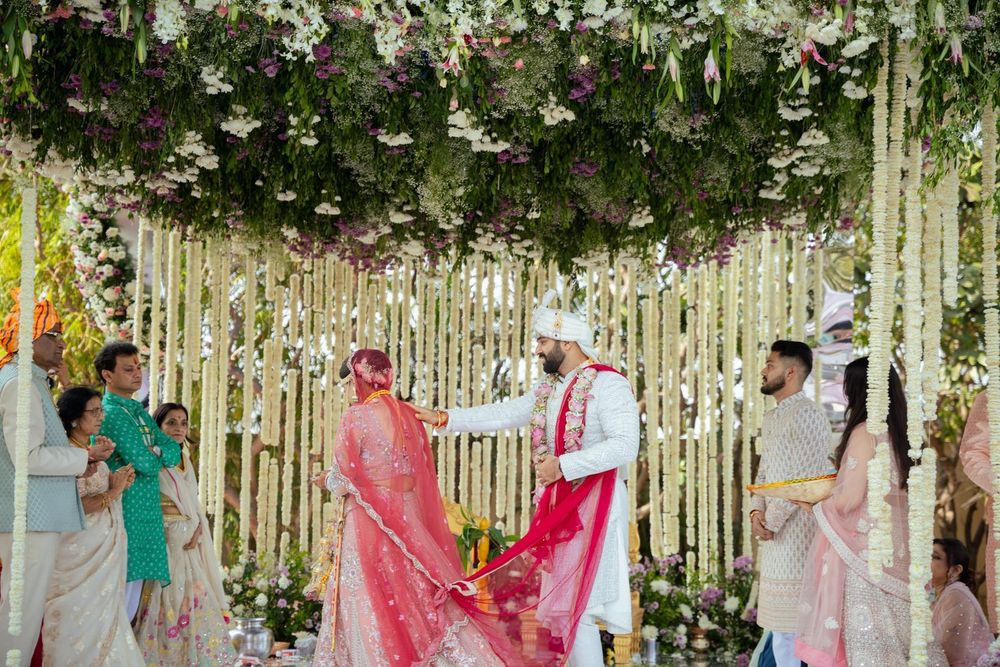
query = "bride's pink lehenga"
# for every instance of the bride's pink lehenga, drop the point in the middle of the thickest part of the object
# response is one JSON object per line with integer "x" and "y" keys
{"x": 391, "y": 601}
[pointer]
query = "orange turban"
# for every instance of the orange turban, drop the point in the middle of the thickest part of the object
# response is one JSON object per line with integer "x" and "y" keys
{"x": 44, "y": 319}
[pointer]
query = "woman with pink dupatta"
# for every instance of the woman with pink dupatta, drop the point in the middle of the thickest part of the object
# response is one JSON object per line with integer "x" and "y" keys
{"x": 960, "y": 627}
{"x": 974, "y": 453}
{"x": 390, "y": 596}
{"x": 847, "y": 617}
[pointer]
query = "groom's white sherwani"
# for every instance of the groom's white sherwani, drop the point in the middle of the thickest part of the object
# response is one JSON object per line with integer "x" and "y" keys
{"x": 610, "y": 440}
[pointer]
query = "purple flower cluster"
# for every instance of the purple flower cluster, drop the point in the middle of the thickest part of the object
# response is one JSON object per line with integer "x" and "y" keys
{"x": 743, "y": 563}
{"x": 584, "y": 83}
{"x": 709, "y": 596}
{"x": 584, "y": 168}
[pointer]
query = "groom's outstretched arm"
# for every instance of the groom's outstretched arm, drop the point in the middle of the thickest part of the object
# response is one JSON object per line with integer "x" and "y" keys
{"x": 618, "y": 413}
{"x": 494, "y": 417}
{"x": 514, "y": 413}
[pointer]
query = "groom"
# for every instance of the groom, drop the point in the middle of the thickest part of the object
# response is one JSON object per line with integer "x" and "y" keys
{"x": 609, "y": 442}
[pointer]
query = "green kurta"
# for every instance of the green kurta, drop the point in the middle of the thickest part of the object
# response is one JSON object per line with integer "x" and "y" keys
{"x": 134, "y": 433}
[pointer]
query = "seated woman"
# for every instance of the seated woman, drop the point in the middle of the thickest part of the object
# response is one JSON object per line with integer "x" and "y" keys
{"x": 185, "y": 623}
{"x": 960, "y": 626}
{"x": 386, "y": 599}
{"x": 85, "y": 620}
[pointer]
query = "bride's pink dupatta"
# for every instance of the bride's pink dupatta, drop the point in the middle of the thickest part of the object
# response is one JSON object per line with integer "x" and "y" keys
{"x": 840, "y": 545}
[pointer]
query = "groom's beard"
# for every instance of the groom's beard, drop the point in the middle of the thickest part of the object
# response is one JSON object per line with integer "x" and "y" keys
{"x": 553, "y": 360}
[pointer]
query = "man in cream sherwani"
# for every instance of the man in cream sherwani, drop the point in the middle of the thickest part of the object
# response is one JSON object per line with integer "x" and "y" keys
{"x": 564, "y": 344}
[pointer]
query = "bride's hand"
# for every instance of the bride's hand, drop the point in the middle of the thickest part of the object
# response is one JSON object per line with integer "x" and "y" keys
{"x": 320, "y": 479}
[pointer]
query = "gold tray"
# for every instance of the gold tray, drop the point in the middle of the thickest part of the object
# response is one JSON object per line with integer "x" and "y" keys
{"x": 807, "y": 489}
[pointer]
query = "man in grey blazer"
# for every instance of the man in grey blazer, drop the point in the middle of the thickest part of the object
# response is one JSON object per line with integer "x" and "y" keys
{"x": 54, "y": 506}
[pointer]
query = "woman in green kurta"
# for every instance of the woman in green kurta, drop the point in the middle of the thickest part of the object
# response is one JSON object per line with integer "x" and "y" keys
{"x": 140, "y": 442}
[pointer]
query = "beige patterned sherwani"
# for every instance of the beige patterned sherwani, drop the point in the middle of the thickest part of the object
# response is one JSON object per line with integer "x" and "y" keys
{"x": 795, "y": 443}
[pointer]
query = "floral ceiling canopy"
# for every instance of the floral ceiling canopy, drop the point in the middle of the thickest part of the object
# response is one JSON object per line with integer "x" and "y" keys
{"x": 562, "y": 128}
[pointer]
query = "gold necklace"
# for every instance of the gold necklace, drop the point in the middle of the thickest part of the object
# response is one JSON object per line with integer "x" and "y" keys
{"x": 76, "y": 443}
{"x": 375, "y": 394}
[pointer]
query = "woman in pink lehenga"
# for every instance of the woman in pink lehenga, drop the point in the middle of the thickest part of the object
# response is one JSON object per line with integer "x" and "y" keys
{"x": 847, "y": 617}
{"x": 975, "y": 456}
{"x": 389, "y": 595}
{"x": 960, "y": 626}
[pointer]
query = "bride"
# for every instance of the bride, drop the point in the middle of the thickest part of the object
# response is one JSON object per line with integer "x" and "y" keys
{"x": 388, "y": 600}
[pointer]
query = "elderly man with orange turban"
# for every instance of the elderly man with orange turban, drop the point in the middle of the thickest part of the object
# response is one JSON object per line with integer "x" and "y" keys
{"x": 54, "y": 464}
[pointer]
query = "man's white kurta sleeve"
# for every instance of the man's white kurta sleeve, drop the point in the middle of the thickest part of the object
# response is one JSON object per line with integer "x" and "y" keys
{"x": 494, "y": 417}
{"x": 615, "y": 408}
{"x": 41, "y": 460}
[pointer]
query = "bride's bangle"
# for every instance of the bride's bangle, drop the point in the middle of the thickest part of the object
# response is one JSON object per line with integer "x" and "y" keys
{"x": 442, "y": 418}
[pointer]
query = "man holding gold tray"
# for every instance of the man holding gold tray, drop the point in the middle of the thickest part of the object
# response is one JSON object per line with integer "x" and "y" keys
{"x": 795, "y": 443}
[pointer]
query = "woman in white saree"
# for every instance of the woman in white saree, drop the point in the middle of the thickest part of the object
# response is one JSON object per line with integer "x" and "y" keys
{"x": 184, "y": 623}
{"x": 85, "y": 620}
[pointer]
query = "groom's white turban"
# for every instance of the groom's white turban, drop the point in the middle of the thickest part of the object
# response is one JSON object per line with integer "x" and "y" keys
{"x": 563, "y": 325}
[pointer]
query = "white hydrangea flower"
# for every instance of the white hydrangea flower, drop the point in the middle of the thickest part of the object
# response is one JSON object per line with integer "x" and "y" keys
{"x": 659, "y": 586}
{"x": 401, "y": 139}
{"x": 286, "y": 195}
{"x": 260, "y": 600}
{"x": 731, "y": 604}
{"x": 212, "y": 77}
{"x": 170, "y": 22}
{"x": 326, "y": 208}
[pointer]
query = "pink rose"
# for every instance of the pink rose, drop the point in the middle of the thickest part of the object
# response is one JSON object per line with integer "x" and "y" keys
{"x": 576, "y": 405}
{"x": 574, "y": 421}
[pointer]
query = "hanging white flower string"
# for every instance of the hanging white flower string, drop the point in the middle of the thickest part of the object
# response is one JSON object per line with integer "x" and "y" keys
{"x": 730, "y": 321}
{"x": 140, "y": 279}
{"x": 263, "y": 461}
{"x": 950, "y": 184}
{"x": 748, "y": 369}
{"x": 991, "y": 299}
{"x": 192, "y": 321}
{"x": 878, "y": 362}
{"x": 881, "y": 289}
{"x": 156, "y": 318}
{"x": 651, "y": 373}
{"x": 249, "y": 334}
{"x": 922, "y": 499}
{"x": 173, "y": 315}
{"x": 222, "y": 412}
{"x": 913, "y": 316}
{"x": 26, "y": 303}
{"x": 933, "y": 320}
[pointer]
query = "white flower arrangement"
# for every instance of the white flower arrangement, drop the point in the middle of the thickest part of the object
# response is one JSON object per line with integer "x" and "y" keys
{"x": 171, "y": 20}
{"x": 554, "y": 113}
{"x": 239, "y": 123}
{"x": 401, "y": 139}
{"x": 286, "y": 195}
{"x": 105, "y": 271}
{"x": 213, "y": 79}
{"x": 649, "y": 632}
{"x": 326, "y": 208}
{"x": 307, "y": 23}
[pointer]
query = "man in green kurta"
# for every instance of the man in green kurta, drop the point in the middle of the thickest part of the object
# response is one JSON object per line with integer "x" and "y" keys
{"x": 140, "y": 442}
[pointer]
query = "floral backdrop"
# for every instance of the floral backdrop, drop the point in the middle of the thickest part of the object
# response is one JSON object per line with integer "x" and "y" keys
{"x": 544, "y": 127}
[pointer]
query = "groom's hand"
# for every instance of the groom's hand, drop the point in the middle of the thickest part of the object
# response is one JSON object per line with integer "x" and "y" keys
{"x": 425, "y": 415}
{"x": 547, "y": 470}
